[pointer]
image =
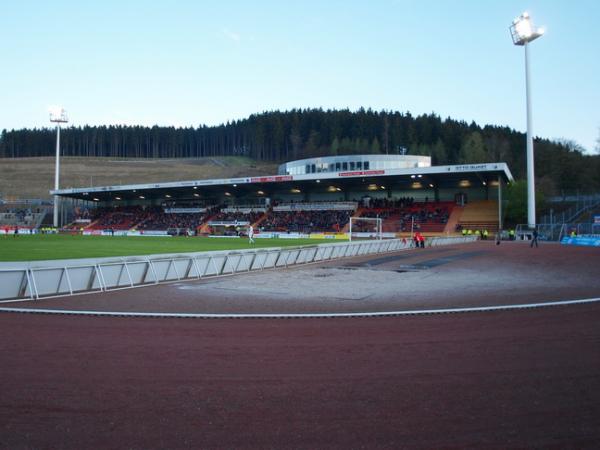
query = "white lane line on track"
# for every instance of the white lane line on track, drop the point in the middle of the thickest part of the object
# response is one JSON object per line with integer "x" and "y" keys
{"x": 301, "y": 316}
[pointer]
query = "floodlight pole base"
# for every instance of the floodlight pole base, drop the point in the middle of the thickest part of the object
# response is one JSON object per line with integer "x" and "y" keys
{"x": 530, "y": 161}
{"x": 56, "y": 221}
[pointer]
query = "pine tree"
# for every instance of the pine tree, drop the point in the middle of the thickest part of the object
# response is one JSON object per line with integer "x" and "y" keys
{"x": 473, "y": 149}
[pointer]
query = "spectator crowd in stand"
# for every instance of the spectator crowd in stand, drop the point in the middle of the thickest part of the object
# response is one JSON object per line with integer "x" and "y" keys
{"x": 405, "y": 210}
{"x": 148, "y": 218}
{"x": 306, "y": 221}
{"x": 157, "y": 219}
{"x": 238, "y": 216}
{"x": 399, "y": 212}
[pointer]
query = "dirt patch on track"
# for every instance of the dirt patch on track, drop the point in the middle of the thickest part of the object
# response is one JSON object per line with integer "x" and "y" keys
{"x": 471, "y": 275}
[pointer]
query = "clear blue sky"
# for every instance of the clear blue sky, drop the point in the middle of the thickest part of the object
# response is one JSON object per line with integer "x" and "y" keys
{"x": 198, "y": 62}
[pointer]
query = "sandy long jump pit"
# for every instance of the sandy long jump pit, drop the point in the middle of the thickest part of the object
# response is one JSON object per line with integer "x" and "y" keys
{"x": 513, "y": 378}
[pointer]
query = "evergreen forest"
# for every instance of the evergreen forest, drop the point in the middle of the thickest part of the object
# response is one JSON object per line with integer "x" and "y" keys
{"x": 302, "y": 133}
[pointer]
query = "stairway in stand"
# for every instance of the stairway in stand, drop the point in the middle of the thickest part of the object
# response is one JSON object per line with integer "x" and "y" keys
{"x": 454, "y": 219}
{"x": 480, "y": 215}
{"x": 260, "y": 220}
{"x": 203, "y": 229}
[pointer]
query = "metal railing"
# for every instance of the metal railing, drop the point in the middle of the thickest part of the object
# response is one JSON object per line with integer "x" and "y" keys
{"x": 582, "y": 204}
{"x": 59, "y": 280}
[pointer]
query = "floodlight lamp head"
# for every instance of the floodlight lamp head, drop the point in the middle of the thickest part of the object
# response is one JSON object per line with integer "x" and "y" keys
{"x": 58, "y": 114}
{"x": 523, "y": 31}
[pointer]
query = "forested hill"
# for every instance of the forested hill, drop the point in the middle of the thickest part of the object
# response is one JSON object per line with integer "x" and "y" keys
{"x": 296, "y": 134}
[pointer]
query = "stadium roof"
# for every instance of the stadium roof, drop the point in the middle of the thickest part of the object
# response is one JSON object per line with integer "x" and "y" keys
{"x": 398, "y": 179}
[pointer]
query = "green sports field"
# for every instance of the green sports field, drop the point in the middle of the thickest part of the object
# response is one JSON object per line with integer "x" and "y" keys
{"x": 58, "y": 246}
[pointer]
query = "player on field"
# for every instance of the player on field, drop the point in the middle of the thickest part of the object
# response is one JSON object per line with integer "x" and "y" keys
{"x": 251, "y": 234}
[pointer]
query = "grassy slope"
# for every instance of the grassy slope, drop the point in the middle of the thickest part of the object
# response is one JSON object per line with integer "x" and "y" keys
{"x": 43, "y": 247}
{"x": 34, "y": 177}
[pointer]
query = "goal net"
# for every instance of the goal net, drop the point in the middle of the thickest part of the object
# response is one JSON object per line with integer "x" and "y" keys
{"x": 365, "y": 228}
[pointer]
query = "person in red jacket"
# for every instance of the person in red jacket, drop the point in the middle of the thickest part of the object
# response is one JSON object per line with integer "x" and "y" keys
{"x": 419, "y": 240}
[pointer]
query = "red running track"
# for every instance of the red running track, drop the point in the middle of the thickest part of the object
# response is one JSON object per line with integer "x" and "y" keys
{"x": 505, "y": 379}
{"x": 524, "y": 379}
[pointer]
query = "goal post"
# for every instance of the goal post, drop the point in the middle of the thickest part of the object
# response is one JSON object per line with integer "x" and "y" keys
{"x": 365, "y": 228}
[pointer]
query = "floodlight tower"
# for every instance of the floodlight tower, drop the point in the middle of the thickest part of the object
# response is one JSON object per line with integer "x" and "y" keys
{"x": 57, "y": 115}
{"x": 523, "y": 32}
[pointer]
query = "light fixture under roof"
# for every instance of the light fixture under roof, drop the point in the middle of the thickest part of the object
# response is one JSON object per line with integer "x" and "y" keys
{"x": 142, "y": 197}
{"x": 117, "y": 198}
{"x": 168, "y": 196}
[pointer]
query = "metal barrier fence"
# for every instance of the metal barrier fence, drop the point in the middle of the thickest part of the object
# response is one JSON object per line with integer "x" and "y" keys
{"x": 40, "y": 282}
{"x": 556, "y": 231}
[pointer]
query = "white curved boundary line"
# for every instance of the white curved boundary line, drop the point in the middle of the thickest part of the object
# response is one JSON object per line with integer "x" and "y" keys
{"x": 301, "y": 316}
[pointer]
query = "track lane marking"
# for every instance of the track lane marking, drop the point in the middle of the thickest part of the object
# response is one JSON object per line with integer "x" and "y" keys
{"x": 303, "y": 316}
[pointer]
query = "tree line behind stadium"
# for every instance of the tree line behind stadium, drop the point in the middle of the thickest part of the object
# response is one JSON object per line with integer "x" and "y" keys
{"x": 296, "y": 134}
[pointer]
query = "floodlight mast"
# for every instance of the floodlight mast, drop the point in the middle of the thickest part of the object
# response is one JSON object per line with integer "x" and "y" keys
{"x": 57, "y": 116}
{"x": 523, "y": 32}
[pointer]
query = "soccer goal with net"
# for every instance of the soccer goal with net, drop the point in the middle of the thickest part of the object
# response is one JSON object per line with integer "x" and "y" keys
{"x": 365, "y": 228}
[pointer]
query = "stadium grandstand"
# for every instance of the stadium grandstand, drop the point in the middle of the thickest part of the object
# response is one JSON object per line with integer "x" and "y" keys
{"x": 26, "y": 214}
{"x": 306, "y": 197}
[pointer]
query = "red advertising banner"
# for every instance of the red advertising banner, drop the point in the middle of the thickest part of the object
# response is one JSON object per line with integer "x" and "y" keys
{"x": 272, "y": 179}
{"x": 361, "y": 172}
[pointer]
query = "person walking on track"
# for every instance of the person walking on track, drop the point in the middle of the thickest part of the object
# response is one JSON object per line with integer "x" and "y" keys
{"x": 534, "y": 240}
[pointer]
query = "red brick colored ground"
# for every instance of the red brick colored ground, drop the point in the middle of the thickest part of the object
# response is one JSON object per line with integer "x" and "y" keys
{"x": 508, "y": 379}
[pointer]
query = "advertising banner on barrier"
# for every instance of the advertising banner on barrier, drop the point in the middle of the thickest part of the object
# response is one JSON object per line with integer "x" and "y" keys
{"x": 587, "y": 241}
{"x": 153, "y": 233}
{"x": 329, "y": 236}
{"x": 293, "y": 236}
{"x": 266, "y": 235}
{"x": 277, "y": 235}
{"x": 126, "y": 233}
